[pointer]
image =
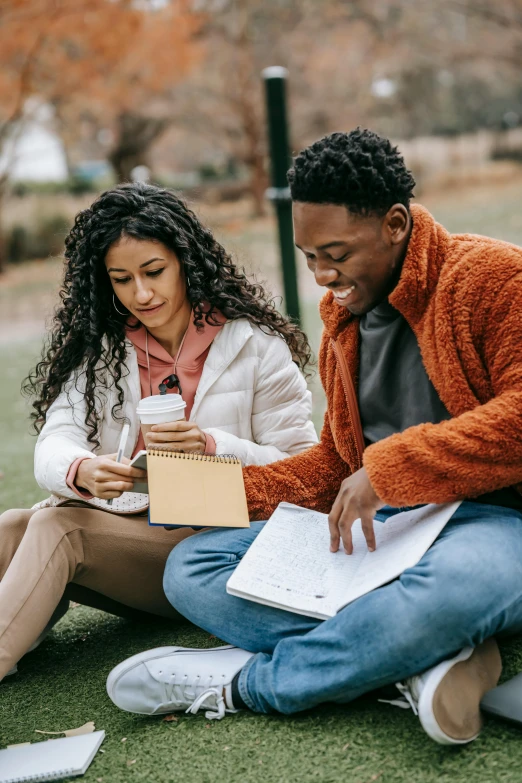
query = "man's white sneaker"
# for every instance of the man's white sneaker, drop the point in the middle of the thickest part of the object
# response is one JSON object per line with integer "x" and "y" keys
{"x": 171, "y": 679}
{"x": 447, "y": 697}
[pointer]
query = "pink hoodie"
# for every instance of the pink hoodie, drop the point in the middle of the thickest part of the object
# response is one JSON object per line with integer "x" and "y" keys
{"x": 189, "y": 368}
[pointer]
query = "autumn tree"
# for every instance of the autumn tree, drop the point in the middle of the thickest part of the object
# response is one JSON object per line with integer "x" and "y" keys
{"x": 133, "y": 94}
{"x": 222, "y": 99}
{"x": 114, "y": 61}
{"x": 327, "y": 47}
{"x": 39, "y": 45}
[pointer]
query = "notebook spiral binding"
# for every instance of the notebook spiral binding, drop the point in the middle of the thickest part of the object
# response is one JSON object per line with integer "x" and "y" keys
{"x": 58, "y": 775}
{"x": 229, "y": 459}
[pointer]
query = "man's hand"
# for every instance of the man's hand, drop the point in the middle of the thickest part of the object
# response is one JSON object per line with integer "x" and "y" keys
{"x": 355, "y": 499}
{"x": 179, "y": 435}
{"x": 105, "y": 478}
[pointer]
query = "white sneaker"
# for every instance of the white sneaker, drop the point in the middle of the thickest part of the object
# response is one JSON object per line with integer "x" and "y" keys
{"x": 447, "y": 697}
{"x": 170, "y": 679}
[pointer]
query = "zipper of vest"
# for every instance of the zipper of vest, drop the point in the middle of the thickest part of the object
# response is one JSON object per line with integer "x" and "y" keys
{"x": 351, "y": 399}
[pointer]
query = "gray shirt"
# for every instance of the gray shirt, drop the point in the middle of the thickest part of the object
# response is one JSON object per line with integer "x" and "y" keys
{"x": 395, "y": 391}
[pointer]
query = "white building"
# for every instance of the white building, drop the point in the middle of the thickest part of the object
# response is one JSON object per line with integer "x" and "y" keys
{"x": 35, "y": 153}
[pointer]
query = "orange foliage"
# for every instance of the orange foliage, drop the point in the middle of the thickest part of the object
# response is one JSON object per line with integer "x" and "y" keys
{"x": 112, "y": 55}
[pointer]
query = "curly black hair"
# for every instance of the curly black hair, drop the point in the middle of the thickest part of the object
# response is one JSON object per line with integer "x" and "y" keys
{"x": 360, "y": 170}
{"x": 88, "y": 332}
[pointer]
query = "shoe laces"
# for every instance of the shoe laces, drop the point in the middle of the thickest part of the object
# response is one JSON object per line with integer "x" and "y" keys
{"x": 195, "y": 694}
{"x": 407, "y": 700}
{"x": 200, "y": 701}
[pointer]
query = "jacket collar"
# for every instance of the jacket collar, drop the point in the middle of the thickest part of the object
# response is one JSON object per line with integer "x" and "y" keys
{"x": 418, "y": 280}
{"x": 227, "y": 344}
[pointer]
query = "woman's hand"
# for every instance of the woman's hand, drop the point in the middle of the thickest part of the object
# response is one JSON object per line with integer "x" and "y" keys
{"x": 356, "y": 499}
{"x": 105, "y": 478}
{"x": 178, "y": 435}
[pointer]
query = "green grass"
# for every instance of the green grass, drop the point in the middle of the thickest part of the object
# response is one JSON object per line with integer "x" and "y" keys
{"x": 492, "y": 211}
{"x": 18, "y": 487}
{"x": 62, "y": 684}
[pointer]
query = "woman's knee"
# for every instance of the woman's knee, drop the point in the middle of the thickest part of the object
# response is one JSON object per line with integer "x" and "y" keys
{"x": 50, "y": 528}
{"x": 49, "y": 519}
{"x": 13, "y": 524}
{"x": 15, "y": 520}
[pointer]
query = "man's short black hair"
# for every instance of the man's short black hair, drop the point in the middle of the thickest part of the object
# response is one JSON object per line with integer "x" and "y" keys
{"x": 359, "y": 170}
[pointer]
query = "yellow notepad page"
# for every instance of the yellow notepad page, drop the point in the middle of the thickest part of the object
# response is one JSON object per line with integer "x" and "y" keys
{"x": 195, "y": 490}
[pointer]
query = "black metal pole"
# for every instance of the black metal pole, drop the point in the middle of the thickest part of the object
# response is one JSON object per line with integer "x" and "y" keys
{"x": 275, "y": 79}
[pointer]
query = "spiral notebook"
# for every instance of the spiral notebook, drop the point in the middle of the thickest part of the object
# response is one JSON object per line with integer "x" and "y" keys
{"x": 196, "y": 490}
{"x": 50, "y": 760}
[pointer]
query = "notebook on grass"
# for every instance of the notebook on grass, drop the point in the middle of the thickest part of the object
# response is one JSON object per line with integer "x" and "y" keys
{"x": 290, "y": 565}
{"x": 197, "y": 490}
{"x": 50, "y": 760}
{"x": 505, "y": 701}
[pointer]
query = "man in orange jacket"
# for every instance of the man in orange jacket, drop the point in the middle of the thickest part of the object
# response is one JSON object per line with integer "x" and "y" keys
{"x": 421, "y": 361}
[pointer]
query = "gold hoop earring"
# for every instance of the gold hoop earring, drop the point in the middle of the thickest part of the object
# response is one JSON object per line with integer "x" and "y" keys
{"x": 114, "y": 304}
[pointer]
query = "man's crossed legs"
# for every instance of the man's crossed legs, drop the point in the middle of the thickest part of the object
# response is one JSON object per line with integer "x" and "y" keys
{"x": 425, "y": 632}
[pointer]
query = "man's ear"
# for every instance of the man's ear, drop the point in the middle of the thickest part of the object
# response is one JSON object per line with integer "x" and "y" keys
{"x": 397, "y": 223}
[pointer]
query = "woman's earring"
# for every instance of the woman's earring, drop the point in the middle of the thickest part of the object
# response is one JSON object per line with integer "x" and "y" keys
{"x": 114, "y": 303}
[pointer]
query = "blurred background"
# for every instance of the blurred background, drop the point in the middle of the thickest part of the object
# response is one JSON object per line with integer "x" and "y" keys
{"x": 94, "y": 92}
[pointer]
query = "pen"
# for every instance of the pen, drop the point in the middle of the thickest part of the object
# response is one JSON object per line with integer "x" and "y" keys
{"x": 121, "y": 448}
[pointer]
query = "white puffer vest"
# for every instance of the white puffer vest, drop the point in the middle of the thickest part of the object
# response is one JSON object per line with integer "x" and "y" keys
{"x": 251, "y": 398}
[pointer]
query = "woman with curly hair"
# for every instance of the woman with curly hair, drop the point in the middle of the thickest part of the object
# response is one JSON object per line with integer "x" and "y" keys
{"x": 147, "y": 293}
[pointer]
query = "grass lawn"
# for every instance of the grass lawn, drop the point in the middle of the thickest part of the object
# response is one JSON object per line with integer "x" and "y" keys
{"x": 62, "y": 684}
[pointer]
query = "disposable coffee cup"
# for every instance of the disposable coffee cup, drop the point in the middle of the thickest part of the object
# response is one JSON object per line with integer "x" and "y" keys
{"x": 159, "y": 409}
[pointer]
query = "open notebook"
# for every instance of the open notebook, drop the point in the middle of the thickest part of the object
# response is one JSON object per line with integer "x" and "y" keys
{"x": 50, "y": 760}
{"x": 289, "y": 565}
{"x": 195, "y": 490}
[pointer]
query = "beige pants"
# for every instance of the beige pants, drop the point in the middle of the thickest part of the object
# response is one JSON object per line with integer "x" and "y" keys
{"x": 108, "y": 561}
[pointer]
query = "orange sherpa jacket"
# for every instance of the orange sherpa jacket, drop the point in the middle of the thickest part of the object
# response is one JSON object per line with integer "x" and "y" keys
{"x": 462, "y": 296}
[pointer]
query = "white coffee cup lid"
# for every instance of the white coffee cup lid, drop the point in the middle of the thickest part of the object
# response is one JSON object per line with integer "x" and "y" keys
{"x": 161, "y": 403}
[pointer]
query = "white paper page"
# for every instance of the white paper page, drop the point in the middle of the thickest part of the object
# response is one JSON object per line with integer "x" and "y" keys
{"x": 400, "y": 544}
{"x": 50, "y": 760}
{"x": 290, "y": 565}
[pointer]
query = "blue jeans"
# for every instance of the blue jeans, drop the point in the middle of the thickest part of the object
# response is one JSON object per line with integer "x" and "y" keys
{"x": 466, "y": 588}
